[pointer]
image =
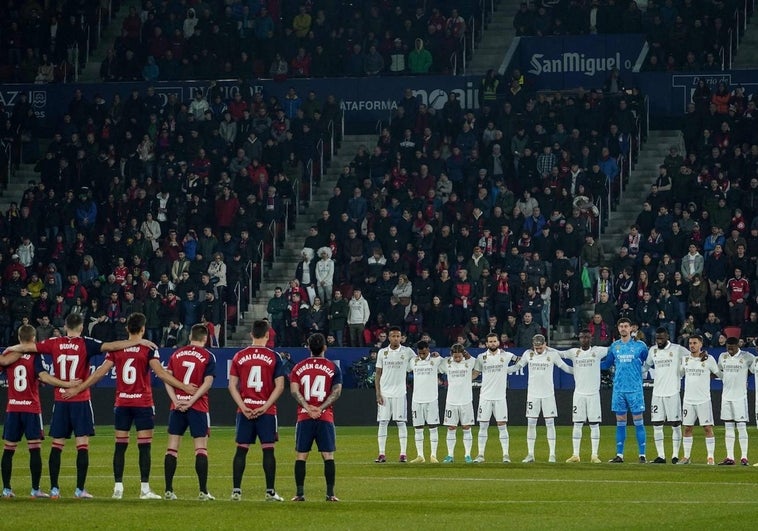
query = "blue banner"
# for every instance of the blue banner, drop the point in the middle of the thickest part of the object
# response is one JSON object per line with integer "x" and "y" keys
{"x": 577, "y": 61}
{"x": 364, "y": 101}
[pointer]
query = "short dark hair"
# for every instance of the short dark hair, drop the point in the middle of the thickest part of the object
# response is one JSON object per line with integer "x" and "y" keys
{"x": 393, "y": 329}
{"x": 74, "y": 321}
{"x": 661, "y": 330}
{"x": 421, "y": 345}
{"x": 135, "y": 322}
{"x": 624, "y": 320}
{"x": 493, "y": 334}
{"x": 732, "y": 341}
{"x": 198, "y": 332}
{"x": 317, "y": 345}
{"x": 260, "y": 328}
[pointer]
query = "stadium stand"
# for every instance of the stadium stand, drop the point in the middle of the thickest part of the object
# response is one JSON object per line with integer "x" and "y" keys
{"x": 452, "y": 220}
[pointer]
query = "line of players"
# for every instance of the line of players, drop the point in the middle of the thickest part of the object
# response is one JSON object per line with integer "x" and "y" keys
{"x": 630, "y": 358}
{"x": 256, "y": 381}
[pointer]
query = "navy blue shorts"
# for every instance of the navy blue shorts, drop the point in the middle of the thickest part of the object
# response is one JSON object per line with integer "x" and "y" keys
{"x": 309, "y": 430}
{"x": 198, "y": 423}
{"x": 19, "y": 425}
{"x": 264, "y": 428}
{"x": 76, "y": 417}
{"x": 143, "y": 418}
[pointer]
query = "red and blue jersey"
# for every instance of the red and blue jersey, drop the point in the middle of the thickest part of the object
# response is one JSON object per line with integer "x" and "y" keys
{"x": 71, "y": 359}
{"x": 257, "y": 369}
{"x": 316, "y": 378}
{"x": 134, "y": 386}
{"x": 23, "y": 384}
{"x": 191, "y": 365}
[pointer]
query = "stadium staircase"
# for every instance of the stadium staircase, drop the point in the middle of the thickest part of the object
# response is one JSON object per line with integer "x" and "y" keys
{"x": 282, "y": 269}
{"x": 497, "y": 37}
{"x": 643, "y": 175}
{"x": 17, "y": 183}
{"x": 91, "y": 71}
{"x": 746, "y": 56}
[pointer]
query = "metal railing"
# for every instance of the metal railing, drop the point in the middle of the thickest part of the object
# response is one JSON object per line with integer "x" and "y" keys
{"x": 271, "y": 234}
{"x": 330, "y": 130}
{"x": 454, "y": 63}
{"x": 238, "y": 294}
{"x": 7, "y": 147}
{"x": 224, "y": 327}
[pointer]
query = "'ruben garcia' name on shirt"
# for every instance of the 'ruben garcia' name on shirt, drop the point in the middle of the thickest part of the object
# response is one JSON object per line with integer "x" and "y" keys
{"x": 310, "y": 366}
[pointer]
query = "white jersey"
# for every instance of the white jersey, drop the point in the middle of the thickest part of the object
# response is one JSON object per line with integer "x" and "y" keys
{"x": 494, "y": 370}
{"x": 697, "y": 379}
{"x": 734, "y": 371}
{"x": 394, "y": 365}
{"x": 586, "y": 368}
{"x": 425, "y": 380}
{"x": 540, "y": 383}
{"x": 667, "y": 360}
{"x": 459, "y": 391}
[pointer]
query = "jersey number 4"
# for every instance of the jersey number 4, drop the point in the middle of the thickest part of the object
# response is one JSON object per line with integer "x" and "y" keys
{"x": 254, "y": 380}
{"x": 317, "y": 389}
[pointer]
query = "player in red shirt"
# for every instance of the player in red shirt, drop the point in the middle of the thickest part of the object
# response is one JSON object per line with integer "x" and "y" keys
{"x": 71, "y": 355}
{"x": 738, "y": 289}
{"x": 315, "y": 384}
{"x": 193, "y": 364}
{"x": 134, "y": 401}
{"x": 24, "y": 412}
{"x": 256, "y": 381}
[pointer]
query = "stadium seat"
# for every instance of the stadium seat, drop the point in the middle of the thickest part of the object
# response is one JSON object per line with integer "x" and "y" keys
{"x": 732, "y": 331}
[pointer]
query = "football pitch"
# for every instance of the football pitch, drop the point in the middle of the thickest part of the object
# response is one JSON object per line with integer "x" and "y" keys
{"x": 395, "y": 496}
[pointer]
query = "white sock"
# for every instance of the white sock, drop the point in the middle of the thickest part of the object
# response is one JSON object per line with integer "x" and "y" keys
{"x": 419, "y": 437}
{"x": 145, "y": 486}
{"x": 531, "y": 434}
{"x": 576, "y": 437}
{"x": 658, "y": 438}
{"x": 742, "y": 432}
{"x": 505, "y": 439}
{"x": 687, "y": 445}
{"x": 433, "y": 440}
{"x": 119, "y": 486}
{"x": 710, "y": 445}
{"x": 550, "y": 424}
{"x": 402, "y": 434}
{"x": 382, "y": 436}
{"x": 468, "y": 441}
{"x": 729, "y": 439}
{"x": 451, "y": 436}
{"x": 483, "y": 435}
{"x": 676, "y": 440}
{"x": 595, "y": 437}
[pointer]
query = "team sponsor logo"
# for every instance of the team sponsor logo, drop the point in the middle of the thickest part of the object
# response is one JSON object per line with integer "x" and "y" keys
{"x": 576, "y": 62}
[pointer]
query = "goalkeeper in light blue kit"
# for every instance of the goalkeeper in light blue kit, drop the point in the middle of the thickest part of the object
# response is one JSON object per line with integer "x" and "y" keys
{"x": 627, "y": 355}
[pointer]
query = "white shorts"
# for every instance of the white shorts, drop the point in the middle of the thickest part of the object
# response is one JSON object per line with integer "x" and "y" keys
{"x": 587, "y": 408}
{"x": 393, "y": 409}
{"x": 666, "y": 408}
{"x": 703, "y": 413}
{"x": 463, "y": 415}
{"x": 546, "y": 406}
{"x": 425, "y": 413}
{"x": 488, "y": 408}
{"x": 735, "y": 410}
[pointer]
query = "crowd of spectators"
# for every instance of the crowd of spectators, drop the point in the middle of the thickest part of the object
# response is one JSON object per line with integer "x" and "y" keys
{"x": 457, "y": 223}
{"x": 162, "y": 208}
{"x": 683, "y": 35}
{"x": 40, "y": 41}
{"x": 272, "y": 39}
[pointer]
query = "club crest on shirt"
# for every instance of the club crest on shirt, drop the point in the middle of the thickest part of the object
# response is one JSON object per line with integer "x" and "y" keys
{"x": 531, "y": 355}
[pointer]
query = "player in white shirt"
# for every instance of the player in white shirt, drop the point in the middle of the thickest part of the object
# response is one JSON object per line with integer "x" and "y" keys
{"x": 390, "y": 383}
{"x": 666, "y": 404}
{"x": 540, "y": 394}
{"x": 459, "y": 406}
{"x": 586, "y": 361}
{"x": 425, "y": 409}
{"x": 492, "y": 364}
{"x": 697, "y": 369}
{"x": 734, "y": 365}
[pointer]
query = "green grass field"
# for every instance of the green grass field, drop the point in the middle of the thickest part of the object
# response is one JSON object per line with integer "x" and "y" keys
{"x": 394, "y": 495}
